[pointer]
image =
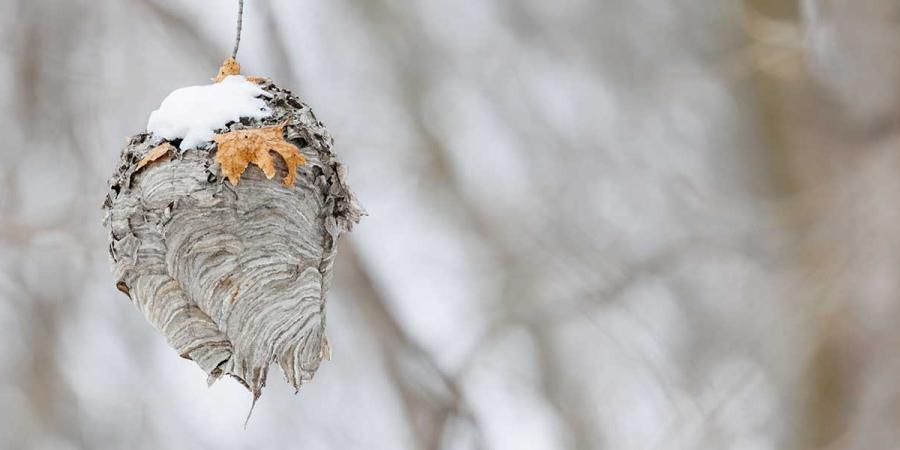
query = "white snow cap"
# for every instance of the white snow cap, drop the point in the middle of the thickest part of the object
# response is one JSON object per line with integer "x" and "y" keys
{"x": 193, "y": 114}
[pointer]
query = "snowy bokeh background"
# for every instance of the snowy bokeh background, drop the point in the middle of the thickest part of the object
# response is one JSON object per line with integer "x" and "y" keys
{"x": 594, "y": 224}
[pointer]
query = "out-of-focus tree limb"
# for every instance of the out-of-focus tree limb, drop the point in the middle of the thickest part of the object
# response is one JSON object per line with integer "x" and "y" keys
{"x": 187, "y": 33}
{"x": 432, "y": 397}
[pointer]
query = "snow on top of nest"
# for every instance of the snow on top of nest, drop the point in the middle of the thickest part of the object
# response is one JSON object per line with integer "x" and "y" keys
{"x": 194, "y": 113}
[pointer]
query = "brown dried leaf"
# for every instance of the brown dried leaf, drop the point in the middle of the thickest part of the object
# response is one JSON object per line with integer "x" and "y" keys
{"x": 258, "y": 80}
{"x": 158, "y": 152}
{"x": 237, "y": 149}
{"x": 229, "y": 67}
{"x": 232, "y": 67}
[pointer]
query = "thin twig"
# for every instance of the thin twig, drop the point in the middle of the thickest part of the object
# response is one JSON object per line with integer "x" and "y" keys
{"x": 240, "y": 25}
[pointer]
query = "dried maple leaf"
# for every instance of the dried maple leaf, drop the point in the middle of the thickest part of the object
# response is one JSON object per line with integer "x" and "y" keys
{"x": 237, "y": 149}
{"x": 229, "y": 67}
{"x": 158, "y": 152}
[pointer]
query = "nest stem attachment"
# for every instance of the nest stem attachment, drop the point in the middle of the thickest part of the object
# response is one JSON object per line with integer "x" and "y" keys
{"x": 240, "y": 25}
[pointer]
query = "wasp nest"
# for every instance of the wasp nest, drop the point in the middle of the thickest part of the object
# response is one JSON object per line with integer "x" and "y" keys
{"x": 228, "y": 248}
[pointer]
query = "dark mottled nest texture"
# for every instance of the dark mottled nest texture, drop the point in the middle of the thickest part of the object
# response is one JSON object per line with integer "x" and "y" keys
{"x": 235, "y": 277}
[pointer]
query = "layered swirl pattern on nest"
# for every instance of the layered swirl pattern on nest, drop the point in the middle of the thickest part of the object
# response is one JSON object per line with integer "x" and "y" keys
{"x": 235, "y": 276}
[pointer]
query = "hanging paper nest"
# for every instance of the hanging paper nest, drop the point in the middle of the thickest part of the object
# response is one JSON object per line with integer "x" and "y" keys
{"x": 228, "y": 248}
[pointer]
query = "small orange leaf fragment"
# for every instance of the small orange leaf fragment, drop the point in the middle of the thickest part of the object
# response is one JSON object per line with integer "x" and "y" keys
{"x": 229, "y": 67}
{"x": 258, "y": 79}
{"x": 237, "y": 149}
{"x": 158, "y": 152}
{"x": 232, "y": 67}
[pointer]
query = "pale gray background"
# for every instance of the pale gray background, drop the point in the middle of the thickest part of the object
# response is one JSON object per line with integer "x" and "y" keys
{"x": 595, "y": 224}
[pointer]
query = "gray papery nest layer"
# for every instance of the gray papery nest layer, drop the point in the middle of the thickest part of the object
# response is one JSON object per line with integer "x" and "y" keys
{"x": 235, "y": 277}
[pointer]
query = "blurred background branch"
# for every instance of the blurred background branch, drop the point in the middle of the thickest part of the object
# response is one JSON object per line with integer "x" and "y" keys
{"x": 611, "y": 224}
